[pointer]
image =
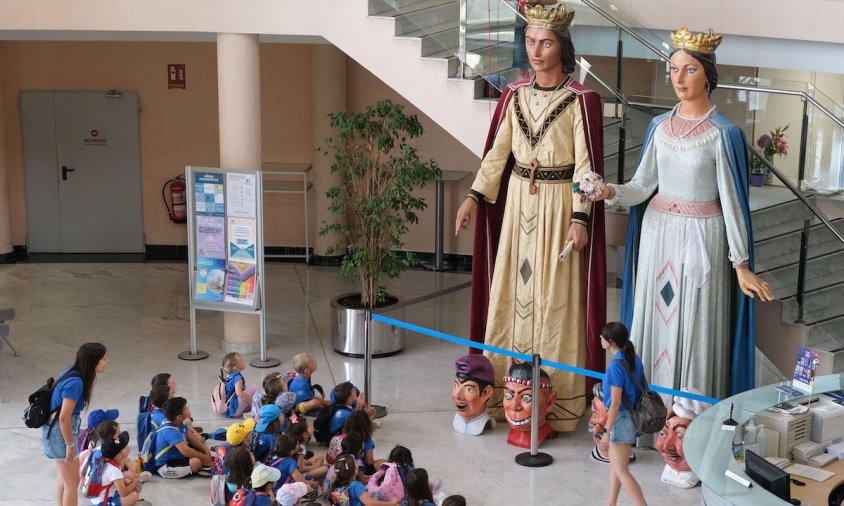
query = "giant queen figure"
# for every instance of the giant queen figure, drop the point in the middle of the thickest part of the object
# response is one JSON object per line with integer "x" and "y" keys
{"x": 688, "y": 279}
{"x": 527, "y": 295}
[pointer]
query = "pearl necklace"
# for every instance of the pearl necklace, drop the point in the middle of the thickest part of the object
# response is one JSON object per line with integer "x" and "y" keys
{"x": 676, "y": 111}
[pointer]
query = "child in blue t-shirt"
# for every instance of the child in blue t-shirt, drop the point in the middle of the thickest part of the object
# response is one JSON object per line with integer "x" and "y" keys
{"x": 345, "y": 485}
{"x": 620, "y": 390}
{"x": 174, "y": 456}
{"x": 305, "y": 366}
{"x": 345, "y": 396}
{"x": 418, "y": 490}
{"x": 284, "y": 459}
{"x": 359, "y": 424}
{"x": 264, "y": 480}
{"x": 240, "y": 397}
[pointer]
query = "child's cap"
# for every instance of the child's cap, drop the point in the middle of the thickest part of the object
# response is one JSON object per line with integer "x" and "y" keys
{"x": 269, "y": 414}
{"x": 263, "y": 474}
{"x": 286, "y": 402}
{"x": 237, "y": 432}
{"x": 98, "y": 416}
{"x": 290, "y": 493}
{"x": 111, "y": 447}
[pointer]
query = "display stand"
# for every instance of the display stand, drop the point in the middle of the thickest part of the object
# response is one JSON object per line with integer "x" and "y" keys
{"x": 226, "y": 249}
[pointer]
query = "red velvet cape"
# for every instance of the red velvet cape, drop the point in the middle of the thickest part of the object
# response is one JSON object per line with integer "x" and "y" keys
{"x": 488, "y": 230}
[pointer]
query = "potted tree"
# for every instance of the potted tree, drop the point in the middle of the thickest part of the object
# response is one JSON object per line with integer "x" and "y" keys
{"x": 379, "y": 171}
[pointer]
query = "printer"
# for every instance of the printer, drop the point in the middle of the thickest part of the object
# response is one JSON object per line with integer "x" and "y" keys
{"x": 827, "y": 421}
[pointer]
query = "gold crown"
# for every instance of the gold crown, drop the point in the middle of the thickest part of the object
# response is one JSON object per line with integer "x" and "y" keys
{"x": 706, "y": 42}
{"x": 558, "y": 17}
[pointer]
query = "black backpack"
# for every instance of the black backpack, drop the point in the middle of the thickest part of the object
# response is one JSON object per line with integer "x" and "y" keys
{"x": 38, "y": 412}
{"x": 322, "y": 424}
{"x": 649, "y": 412}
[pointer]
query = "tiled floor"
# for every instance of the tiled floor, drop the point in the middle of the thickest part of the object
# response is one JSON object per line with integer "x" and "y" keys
{"x": 140, "y": 311}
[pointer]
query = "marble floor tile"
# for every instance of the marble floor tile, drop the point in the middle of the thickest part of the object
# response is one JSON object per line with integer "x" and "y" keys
{"x": 141, "y": 313}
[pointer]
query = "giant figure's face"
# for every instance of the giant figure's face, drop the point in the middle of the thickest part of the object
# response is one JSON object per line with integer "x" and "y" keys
{"x": 543, "y": 49}
{"x": 469, "y": 400}
{"x": 687, "y": 76}
{"x": 669, "y": 442}
{"x": 518, "y": 401}
{"x": 598, "y": 417}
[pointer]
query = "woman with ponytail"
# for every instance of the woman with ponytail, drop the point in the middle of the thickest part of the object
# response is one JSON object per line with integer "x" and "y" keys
{"x": 620, "y": 393}
{"x": 71, "y": 394}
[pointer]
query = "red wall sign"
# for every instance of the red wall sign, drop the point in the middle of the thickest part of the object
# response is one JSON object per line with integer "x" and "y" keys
{"x": 176, "y": 76}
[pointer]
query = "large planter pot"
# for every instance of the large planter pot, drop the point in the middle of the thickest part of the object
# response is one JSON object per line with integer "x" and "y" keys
{"x": 757, "y": 180}
{"x": 347, "y": 330}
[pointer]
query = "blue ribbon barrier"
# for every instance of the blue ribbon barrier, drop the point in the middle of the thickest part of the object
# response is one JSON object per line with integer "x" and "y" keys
{"x": 527, "y": 358}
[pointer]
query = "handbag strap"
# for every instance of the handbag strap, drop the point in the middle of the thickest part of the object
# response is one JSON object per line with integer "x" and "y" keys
{"x": 635, "y": 382}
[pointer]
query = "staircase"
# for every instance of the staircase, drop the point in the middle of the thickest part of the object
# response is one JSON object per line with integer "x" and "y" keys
{"x": 777, "y": 231}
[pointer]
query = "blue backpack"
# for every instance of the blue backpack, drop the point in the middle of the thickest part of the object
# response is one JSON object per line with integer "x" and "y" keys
{"x": 143, "y": 422}
{"x": 150, "y": 452}
{"x": 243, "y": 497}
{"x": 92, "y": 486}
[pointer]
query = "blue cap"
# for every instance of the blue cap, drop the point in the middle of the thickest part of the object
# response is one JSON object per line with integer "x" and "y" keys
{"x": 269, "y": 414}
{"x": 98, "y": 416}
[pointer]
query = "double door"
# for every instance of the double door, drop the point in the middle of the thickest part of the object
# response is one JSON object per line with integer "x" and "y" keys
{"x": 81, "y": 154}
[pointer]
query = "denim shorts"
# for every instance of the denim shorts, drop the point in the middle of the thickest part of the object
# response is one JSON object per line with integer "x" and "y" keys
{"x": 624, "y": 430}
{"x": 54, "y": 446}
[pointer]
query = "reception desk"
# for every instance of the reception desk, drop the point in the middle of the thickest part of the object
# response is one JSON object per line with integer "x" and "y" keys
{"x": 709, "y": 452}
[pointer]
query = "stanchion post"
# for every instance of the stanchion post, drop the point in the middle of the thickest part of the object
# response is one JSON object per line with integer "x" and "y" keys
{"x": 193, "y": 353}
{"x": 534, "y": 458}
{"x": 380, "y": 411}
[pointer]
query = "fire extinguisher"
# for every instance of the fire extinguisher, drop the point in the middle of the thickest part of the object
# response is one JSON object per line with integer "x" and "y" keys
{"x": 177, "y": 208}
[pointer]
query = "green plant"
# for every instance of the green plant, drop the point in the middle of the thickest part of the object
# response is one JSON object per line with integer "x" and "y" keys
{"x": 772, "y": 143}
{"x": 378, "y": 172}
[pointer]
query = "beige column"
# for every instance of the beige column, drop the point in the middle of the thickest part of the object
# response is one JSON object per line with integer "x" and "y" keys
{"x": 329, "y": 95}
{"x": 6, "y": 251}
{"x": 239, "y": 97}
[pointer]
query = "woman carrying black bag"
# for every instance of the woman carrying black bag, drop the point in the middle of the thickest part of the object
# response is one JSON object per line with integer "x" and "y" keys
{"x": 71, "y": 394}
{"x": 620, "y": 428}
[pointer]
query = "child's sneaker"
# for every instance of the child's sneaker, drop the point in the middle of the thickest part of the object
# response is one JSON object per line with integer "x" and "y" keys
{"x": 139, "y": 487}
{"x": 143, "y": 502}
{"x": 144, "y": 476}
{"x": 377, "y": 423}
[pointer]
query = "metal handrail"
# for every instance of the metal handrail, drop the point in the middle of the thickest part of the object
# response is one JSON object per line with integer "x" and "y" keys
{"x": 791, "y": 186}
{"x": 726, "y": 86}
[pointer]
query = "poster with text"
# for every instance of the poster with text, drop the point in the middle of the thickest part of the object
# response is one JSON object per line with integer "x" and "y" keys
{"x": 804, "y": 372}
{"x": 242, "y": 239}
{"x": 209, "y": 194}
{"x": 240, "y": 286}
{"x": 210, "y": 279}
{"x": 210, "y": 237}
{"x": 240, "y": 195}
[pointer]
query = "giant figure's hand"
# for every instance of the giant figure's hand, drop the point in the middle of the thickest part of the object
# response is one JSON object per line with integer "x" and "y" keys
{"x": 752, "y": 284}
{"x": 606, "y": 193}
{"x": 577, "y": 234}
{"x": 465, "y": 215}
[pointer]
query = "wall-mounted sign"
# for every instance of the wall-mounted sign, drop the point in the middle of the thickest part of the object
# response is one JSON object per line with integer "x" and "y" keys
{"x": 95, "y": 137}
{"x": 176, "y": 76}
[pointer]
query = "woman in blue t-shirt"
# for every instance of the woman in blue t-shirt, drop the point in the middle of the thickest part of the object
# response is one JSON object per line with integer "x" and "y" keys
{"x": 620, "y": 429}
{"x": 71, "y": 393}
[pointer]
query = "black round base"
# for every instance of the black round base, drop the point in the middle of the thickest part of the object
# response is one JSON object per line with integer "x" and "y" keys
{"x": 374, "y": 355}
{"x": 538, "y": 460}
{"x": 199, "y": 355}
{"x": 264, "y": 364}
{"x": 380, "y": 411}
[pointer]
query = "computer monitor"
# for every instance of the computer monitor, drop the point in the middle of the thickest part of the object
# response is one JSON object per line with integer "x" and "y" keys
{"x": 767, "y": 475}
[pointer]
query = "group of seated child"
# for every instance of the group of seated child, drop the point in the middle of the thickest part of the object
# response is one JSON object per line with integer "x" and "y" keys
{"x": 262, "y": 460}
